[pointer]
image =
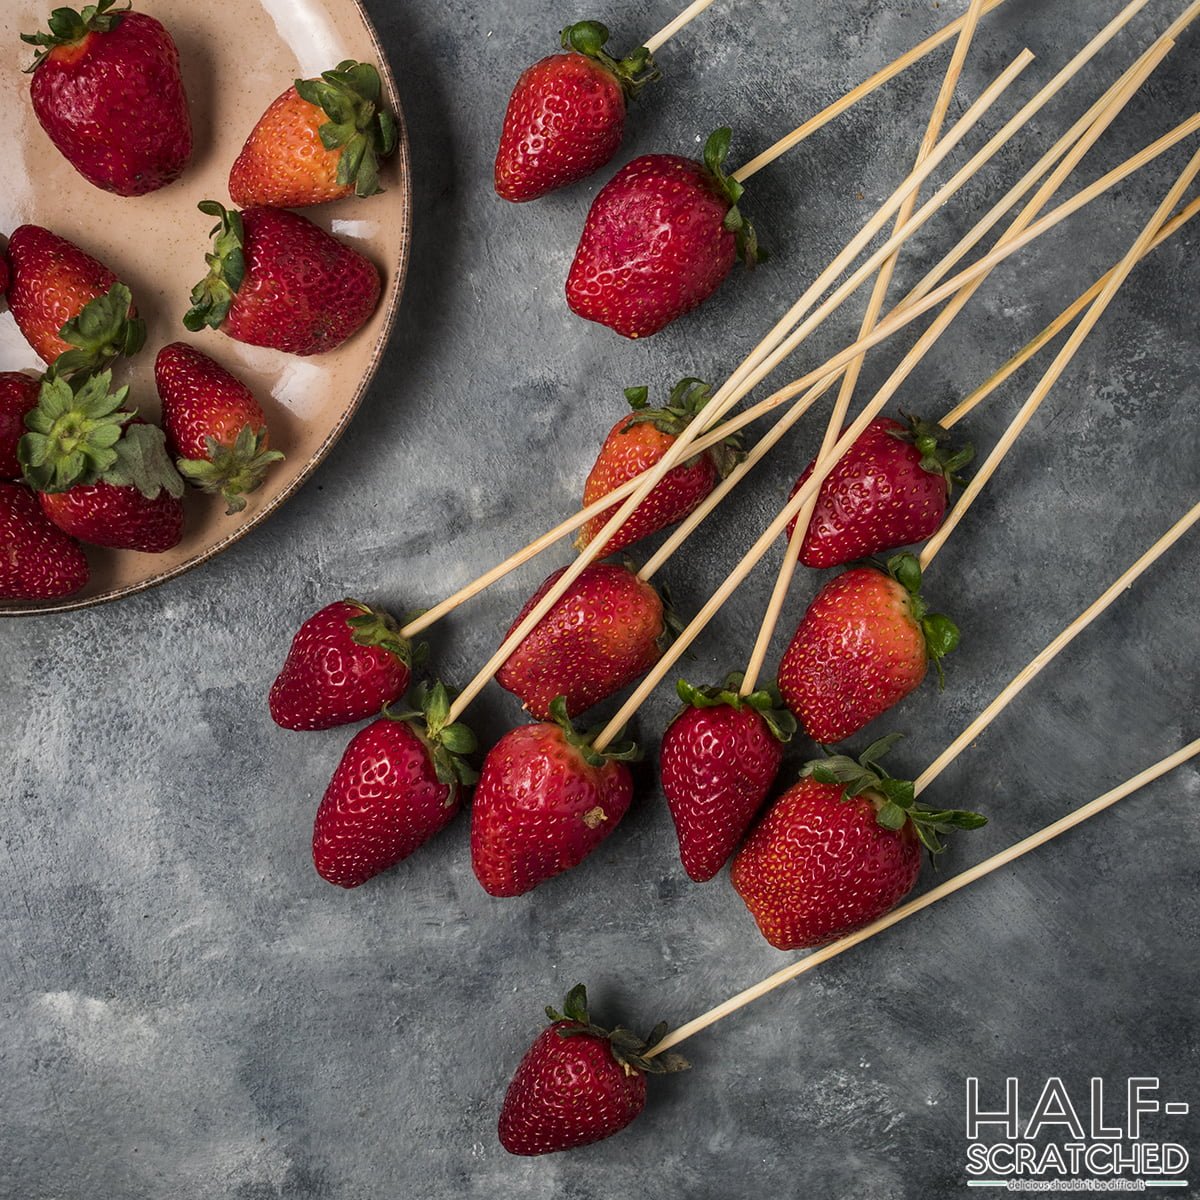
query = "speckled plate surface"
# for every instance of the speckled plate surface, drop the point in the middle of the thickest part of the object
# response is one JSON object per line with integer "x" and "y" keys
{"x": 237, "y": 55}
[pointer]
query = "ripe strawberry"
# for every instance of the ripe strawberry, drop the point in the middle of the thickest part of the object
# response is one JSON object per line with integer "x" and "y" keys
{"x": 37, "y": 560}
{"x": 578, "y": 1083}
{"x": 865, "y": 642}
{"x": 566, "y": 116}
{"x": 18, "y": 394}
{"x": 107, "y": 90}
{"x": 608, "y": 629}
{"x": 70, "y": 307}
{"x": 345, "y": 663}
{"x": 837, "y": 850}
{"x": 399, "y": 782}
{"x": 216, "y": 430}
{"x": 889, "y": 489}
{"x": 275, "y": 279}
{"x": 635, "y": 444}
{"x": 718, "y": 761}
{"x": 659, "y": 238}
{"x": 546, "y": 799}
{"x": 320, "y": 140}
{"x": 102, "y": 474}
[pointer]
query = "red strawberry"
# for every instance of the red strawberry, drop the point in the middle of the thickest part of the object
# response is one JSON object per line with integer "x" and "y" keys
{"x": 635, "y": 444}
{"x": 546, "y": 799}
{"x": 578, "y": 1083}
{"x": 889, "y": 489}
{"x": 320, "y": 140}
{"x": 18, "y": 394}
{"x": 566, "y": 116}
{"x": 837, "y": 850}
{"x": 107, "y": 90}
{"x": 275, "y": 279}
{"x": 215, "y": 428}
{"x": 345, "y": 663}
{"x": 719, "y": 760}
{"x": 3, "y": 275}
{"x": 865, "y": 642}
{"x": 399, "y": 782}
{"x": 70, "y": 307}
{"x": 607, "y": 630}
{"x": 102, "y": 473}
{"x": 660, "y": 237}
{"x": 37, "y": 560}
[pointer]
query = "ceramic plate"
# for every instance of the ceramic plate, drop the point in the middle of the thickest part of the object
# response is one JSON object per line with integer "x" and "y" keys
{"x": 237, "y": 55}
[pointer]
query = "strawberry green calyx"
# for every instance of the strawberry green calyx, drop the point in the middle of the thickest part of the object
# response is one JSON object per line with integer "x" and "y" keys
{"x": 449, "y": 744}
{"x": 633, "y": 72}
{"x": 80, "y": 433}
{"x": 231, "y": 469}
{"x": 684, "y": 404}
{"x": 213, "y": 295}
{"x": 894, "y": 799}
{"x": 766, "y": 701}
{"x": 716, "y": 151}
{"x": 627, "y": 1048}
{"x": 619, "y": 750}
{"x": 941, "y": 634}
{"x": 101, "y": 332}
{"x": 68, "y": 27}
{"x": 351, "y": 96}
{"x": 939, "y": 455}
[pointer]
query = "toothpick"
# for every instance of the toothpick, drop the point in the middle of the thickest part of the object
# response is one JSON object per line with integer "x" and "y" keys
{"x": 672, "y": 27}
{"x": 791, "y": 556}
{"x": 940, "y": 892}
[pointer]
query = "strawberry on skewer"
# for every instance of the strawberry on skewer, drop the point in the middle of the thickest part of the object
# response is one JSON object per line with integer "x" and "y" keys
{"x": 322, "y": 139}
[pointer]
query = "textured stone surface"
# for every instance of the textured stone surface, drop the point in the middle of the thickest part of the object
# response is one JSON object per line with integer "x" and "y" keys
{"x": 188, "y": 1010}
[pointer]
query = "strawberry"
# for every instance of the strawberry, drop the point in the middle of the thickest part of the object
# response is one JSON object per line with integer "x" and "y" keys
{"x": 215, "y": 428}
{"x": 718, "y": 761}
{"x": 4, "y": 275}
{"x": 865, "y": 642}
{"x": 320, "y": 140}
{"x": 275, "y": 279}
{"x": 889, "y": 489}
{"x": 566, "y": 116}
{"x": 837, "y": 850}
{"x": 399, "y": 782}
{"x": 545, "y": 800}
{"x": 18, "y": 394}
{"x": 37, "y": 560}
{"x": 578, "y": 1083}
{"x": 635, "y": 444}
{"x": 345, "y": 663}
{"x": 608, "y": 629}
{"x": 103, "y": 475}
{"x": 70, "y": 307}
{"x": 659, "y": 238}
{"x": 107, "y": 90}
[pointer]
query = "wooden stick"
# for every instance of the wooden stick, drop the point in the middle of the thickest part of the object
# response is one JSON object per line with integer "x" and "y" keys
{"x": 718, "y": 405}
{"x": 791, "y": 555}
{"x": 931, "y": 897}
{"x": 1068, "y": 635}
{"x": 672, "y": 27}
{"x": 856, "y": 94}
{"x": 1032, "y": 348}
{"x": 1062, "y": 360}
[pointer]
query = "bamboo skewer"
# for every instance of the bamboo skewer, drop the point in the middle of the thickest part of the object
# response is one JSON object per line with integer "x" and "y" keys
{"x": 672, "y": 27}
{"x": 1062, "y": 360}
{"x": 931, "y": 897}
{"x": 852, "y": 97}
{"x": 1068, "y": 635}
{"x": 720, "y": 403}
{"x": 791, "y": 556}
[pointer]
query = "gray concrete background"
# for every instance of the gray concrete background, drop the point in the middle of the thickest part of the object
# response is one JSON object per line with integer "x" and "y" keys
{"x": 189, "y": 1011}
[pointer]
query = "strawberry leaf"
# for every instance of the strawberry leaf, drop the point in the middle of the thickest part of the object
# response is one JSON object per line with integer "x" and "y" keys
{"x": 231, "y": 470}
{"x": 213, "y": 295}
{"x": 68, "y": 27}
{"x": 632, "y": 72}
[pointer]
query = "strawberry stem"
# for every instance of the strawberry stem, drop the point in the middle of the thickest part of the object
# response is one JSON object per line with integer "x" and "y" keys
{"x": 627, "y": 1048}
{"x": 632, "y": 72}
